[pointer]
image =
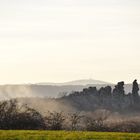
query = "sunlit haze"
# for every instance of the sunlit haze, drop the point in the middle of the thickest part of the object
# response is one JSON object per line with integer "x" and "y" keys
{"x": 64, "y": 40}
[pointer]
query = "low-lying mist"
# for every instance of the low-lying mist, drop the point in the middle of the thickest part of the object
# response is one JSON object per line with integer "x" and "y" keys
{"x": 50, "y": 91}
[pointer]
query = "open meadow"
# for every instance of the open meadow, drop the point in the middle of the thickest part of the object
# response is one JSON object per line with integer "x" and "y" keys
{"x": 65, "y": 135}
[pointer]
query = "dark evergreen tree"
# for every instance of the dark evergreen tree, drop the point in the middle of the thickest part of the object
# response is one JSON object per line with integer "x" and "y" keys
{"x": 119, "y": 89}
{"x": 135, "y": 92}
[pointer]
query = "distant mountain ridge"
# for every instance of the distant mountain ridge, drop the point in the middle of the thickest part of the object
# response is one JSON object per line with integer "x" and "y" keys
{"x": 50, "y": 90}
{"x": 82, "y": 82}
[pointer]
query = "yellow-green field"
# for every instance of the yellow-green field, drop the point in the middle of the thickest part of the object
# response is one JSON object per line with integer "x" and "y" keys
{"x": 64, "y": 135}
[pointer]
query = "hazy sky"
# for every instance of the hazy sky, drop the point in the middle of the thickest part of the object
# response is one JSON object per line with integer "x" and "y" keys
{"x": 62, "y": 40}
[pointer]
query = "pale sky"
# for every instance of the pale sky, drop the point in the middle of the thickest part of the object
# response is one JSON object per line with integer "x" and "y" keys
{"x": 64, "y": 40}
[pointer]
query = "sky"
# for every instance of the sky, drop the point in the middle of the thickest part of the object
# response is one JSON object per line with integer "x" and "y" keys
{"x": 64, "y": 40}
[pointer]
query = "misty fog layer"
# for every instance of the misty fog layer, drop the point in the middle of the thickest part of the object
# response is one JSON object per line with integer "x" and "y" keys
{"x": 17, "y": 91}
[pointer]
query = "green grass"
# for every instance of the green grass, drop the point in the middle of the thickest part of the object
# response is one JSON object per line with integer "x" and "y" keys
{"x": 65, "y": 135}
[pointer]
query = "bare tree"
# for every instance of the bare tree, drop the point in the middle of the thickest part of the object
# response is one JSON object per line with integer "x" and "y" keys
{"x": 97, "y": 120}
{"x": 54, "y": 120}
{"x": 15, "y": 116}
{"x": 74, "y": 119}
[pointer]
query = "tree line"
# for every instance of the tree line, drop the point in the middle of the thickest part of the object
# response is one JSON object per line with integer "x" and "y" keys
{"x": 110, "y": 98}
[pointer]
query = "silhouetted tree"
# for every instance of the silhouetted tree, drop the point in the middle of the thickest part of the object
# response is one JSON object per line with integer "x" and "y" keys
{"x": 90, "y": 90}
{"x": 135, "y": 92}
{"x": 105, "y": 91}
{"x": 119, "y": 89}
{"x": 16, "y": 116}
{"x": 54, "y": 121}
{"x": 97, "y": 121}
{"x": 74, "y": 120}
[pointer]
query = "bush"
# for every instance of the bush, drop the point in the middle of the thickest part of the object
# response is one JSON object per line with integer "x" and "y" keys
{"x": 16, "y": 116}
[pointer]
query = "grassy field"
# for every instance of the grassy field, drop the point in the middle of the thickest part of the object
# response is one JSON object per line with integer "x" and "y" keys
{"x": 64, "y": 135}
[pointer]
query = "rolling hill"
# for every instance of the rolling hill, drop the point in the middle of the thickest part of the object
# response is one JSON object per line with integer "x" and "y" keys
{"x": 82, "y": 82}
